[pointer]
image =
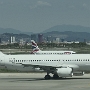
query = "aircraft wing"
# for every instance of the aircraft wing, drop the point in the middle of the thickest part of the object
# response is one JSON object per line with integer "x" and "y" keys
{"x": 40, "y": 65}
{"x": 52, "y": 66}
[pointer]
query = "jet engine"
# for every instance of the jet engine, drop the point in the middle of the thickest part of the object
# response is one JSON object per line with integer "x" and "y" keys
{"x": 38, "y": 69}
{"x": 78, "y": 73}
{"x": 64, "y": 72}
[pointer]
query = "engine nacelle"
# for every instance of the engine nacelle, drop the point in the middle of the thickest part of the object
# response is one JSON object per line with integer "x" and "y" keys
{"x": 78, "y": 73}
{"x": 64, "y": 72}
{"x": 38, "y": 69}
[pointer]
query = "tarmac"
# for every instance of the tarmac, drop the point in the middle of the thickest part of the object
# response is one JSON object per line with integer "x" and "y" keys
{"x": 35, "y": 81}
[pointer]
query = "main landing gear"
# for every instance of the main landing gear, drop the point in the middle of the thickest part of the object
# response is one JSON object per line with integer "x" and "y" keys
{"x": 55, "y": 76}
{"x": 47, "y": 77}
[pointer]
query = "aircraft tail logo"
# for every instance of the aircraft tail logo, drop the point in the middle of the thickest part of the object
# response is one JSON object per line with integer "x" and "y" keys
{"x": 34, "y": 46}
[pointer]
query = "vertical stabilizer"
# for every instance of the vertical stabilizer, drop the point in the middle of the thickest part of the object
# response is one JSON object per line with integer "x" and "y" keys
{"x": 35, "y": 48}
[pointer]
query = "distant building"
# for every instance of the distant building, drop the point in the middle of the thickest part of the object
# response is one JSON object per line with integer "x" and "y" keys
{"x": 85, "y": 40}
{"x": 88, "y": 43}
{"x": 76, "y": 42}
{"x": 49, "y": 39}
{"x": 70, "y": 42}
{"x": 40, "y": 38}
{"x": 62, "y": 40}
{"x": 57, "y": 40}
{"x": 0, "y": 40}
{"x": 21, "y": 42}
{"x": 12, "y": 39}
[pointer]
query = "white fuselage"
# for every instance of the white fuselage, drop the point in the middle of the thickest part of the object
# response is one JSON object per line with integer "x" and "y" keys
{"x": 54, "y": 52}
{"x": 80, "y": 62}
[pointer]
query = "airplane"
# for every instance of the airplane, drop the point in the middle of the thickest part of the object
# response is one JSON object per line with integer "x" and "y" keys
{"x": 58, "y": 65}
{"x": 36, "y": 50}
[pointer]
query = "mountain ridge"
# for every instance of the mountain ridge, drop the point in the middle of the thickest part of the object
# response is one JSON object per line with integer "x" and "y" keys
{"x": 74, "y": 28}
{"x": 11, "y": 30}
{"x": 67, "y": 32}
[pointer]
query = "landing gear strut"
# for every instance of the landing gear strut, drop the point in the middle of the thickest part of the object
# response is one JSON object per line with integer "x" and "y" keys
{"x": 47, "y": 76}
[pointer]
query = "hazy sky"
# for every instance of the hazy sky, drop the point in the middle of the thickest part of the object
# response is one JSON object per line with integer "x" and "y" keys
{"x": 39, "y": 15}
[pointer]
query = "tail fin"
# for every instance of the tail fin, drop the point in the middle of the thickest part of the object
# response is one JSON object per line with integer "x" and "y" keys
{"x": 34, "y": 47}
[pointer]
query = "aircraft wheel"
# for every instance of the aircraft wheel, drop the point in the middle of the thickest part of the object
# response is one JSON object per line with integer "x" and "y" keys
{"x": 55, "y": 76}
{"x": 47, "y": 77}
